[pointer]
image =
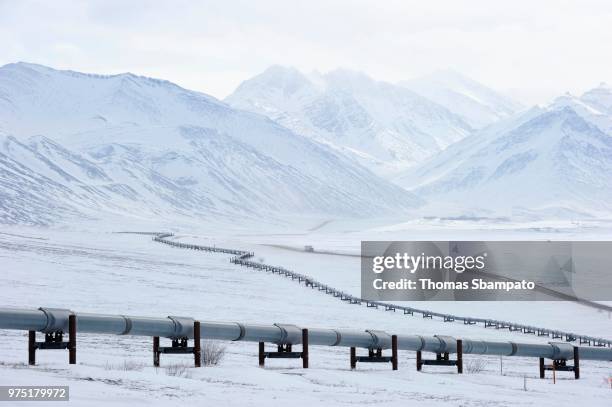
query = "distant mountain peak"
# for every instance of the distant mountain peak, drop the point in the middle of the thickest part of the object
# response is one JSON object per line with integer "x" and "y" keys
{"x": 279, "y": 68}
{"x": 475, "y": 103}
{"x": 27, "y": 65}
{"x": 281, "y": 75}
{"x": 602, "y": 90}
{"x": 563, "y": 100}
{"x": 384, "y": 126}
{"x": 282, "y": 71}
{"x": 595, "y": 106}
{"x": 564, "y": 115}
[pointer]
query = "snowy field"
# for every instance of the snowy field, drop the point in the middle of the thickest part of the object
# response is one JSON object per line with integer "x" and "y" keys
{"x": 113, "y": 273}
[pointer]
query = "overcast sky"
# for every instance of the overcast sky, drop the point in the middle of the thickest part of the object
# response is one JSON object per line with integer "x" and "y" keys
{"x": 531, "y": 50}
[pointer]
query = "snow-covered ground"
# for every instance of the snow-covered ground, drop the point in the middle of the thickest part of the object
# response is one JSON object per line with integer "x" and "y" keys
{"x": 95, "y": 271}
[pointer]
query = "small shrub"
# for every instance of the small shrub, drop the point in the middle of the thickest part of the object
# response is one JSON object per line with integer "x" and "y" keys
{"x": 212, "y": 353}
{"x": 127, "y": 365}
{"x": 132, "y": 365}
{"x": 178, "y": 370}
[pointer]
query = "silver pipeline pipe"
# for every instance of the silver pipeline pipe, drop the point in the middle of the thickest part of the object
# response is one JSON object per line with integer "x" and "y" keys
{"x": 55, "y": 319}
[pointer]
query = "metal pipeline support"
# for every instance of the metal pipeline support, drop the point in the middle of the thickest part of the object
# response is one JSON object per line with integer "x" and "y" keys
{"x": 54, "y": 330}
{"x": 442, "y": 346}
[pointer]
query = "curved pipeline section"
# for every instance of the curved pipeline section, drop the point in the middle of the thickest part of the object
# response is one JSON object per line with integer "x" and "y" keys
{"x": 242, "y": 257}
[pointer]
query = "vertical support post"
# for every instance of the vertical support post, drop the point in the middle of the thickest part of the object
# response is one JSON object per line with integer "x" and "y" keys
{"x": 541, "y": 368}
{"x": 305, "y": 348}
{"x": 353, "y": 358}
{"x": 72, "y": 328}
{"x": 197, "y": 346}
{"x": 394, "y": 352}
{"x": 262, "y": 357}
{"x": 156, "y": 351}
{"x": 32, "y": 348}
{"x": 419, "y": 362}
{"x": 459, "y": 356}
{"x": 576, "y": 362}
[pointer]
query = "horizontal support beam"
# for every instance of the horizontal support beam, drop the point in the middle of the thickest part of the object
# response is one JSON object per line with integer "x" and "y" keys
{"x": 283, "y": 355}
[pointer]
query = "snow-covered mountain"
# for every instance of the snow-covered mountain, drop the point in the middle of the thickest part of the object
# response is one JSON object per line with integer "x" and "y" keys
{"x": 383, "y": 126}
{"x": 594, "y": 105}
{"x": 600, "y": 98}
{"x": 74, "y": 143}
{"x": 475, "y": 103}
{"x": 551, "y": 160}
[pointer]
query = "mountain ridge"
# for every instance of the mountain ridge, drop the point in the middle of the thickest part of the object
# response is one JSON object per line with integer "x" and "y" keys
{"x": 163, "y": 149}
{"x": 549, "y": 160}
{"x": 383, "y": 126}
{"x": 477, "y": 104}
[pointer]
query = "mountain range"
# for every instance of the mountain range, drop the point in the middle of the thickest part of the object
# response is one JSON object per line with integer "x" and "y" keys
{"x": 286, "y": 144}
{"x": 383, "y": 126}
{"x": 553, "y": 160}
{"x": 74, "y": 144}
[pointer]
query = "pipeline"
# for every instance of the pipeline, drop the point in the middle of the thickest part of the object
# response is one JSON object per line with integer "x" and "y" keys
{"x": 50, "y": 320}
{"x": 242, "y": 258}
